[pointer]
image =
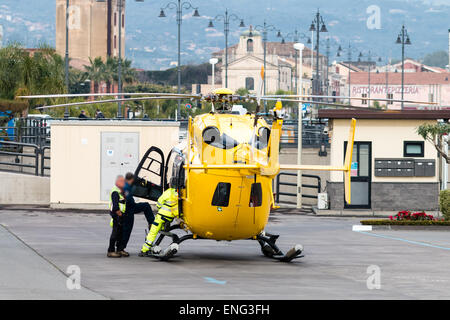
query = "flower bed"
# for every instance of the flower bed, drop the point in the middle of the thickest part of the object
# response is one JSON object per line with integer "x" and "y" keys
{"x": 408, "y": 218}
{"x": 408, "y": 215}
{"x": 387, "y": 222}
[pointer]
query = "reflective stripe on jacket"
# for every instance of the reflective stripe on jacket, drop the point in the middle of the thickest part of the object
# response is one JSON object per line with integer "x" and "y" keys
{"x": 122, "y": 202}
{"x": 168, "y": 203}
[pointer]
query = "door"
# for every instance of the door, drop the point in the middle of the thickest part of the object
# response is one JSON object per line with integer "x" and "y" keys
{"x": 361, "y": 175}
{"x": 149, "y": 175}
{"x": 119, "y": 155}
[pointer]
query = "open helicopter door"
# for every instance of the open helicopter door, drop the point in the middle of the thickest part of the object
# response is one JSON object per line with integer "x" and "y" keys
{"x": 149, "y": 175}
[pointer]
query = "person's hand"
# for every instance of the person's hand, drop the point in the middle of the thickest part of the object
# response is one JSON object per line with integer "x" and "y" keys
{"x": 119, "y": 213}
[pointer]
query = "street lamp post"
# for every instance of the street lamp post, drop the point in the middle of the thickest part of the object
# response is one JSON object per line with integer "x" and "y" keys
{"x": 296, "y": 36}
{"x": 66, "y": 60}
{"x": 369, "y": 60}
{"x": 299, "y": 47}
{"x": 226, "y": 18}
{"x": 265, "y": 28}
{"x": 213, "y": 62}
{"x": 349, "y": 50}
{"x": 318, "y": 26}
{"x": 179, "y": 6}
{"x": 120, "y": 4}
{"x": 403, "y": 39}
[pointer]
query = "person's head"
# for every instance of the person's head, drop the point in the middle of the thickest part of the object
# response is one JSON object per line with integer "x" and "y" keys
{"x": 129, "y": 178}
{"x": 97, "y": 111}
{"x": 120, "y": 182}
{"x": 83, "y": 112}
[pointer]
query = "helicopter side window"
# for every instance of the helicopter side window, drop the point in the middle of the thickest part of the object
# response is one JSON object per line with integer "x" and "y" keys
{"x": 212, "y": 136}
{"x": 255, "y": 195}
{"x": 262, "y": 140}
{"x": 221, "y": 196}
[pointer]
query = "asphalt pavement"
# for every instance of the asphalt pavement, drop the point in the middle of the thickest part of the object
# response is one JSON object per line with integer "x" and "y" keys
{"x": 37, "y": 247}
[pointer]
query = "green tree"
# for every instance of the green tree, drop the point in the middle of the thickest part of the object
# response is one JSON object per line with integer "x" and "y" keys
{"x": 24, "y": 73}
{"x": 435, "y": 134}
{"x": 96, "y": 71}
{"x": 436, "y": 59}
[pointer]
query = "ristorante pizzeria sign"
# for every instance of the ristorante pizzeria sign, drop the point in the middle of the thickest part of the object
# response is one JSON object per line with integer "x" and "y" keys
{"x": 384, "y": 90}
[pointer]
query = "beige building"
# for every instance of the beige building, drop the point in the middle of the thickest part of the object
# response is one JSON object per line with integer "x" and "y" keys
{"x": 246, "y": 58}
{"x": 93, "y": 29}
{"x": 86, "y": 156}
{"x": 393, "y": 168}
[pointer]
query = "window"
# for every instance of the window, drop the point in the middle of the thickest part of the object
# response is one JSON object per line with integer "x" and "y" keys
{"x": 221, "y": 196}
{"x": 390, "y": 96}
{"x": 249, "y": 45}
{"x": 249, "y": 83}
{"x": 115, "y": 42}
{"x": 364, "y": 95}
{"x": 115, "y": 19}
{"x": 212, "y": 136}
{"x": 413, "y": 148}
{"x": 255, "y": 195}
{"x": 262, "y": 139}
{"x": 123, "y": 20}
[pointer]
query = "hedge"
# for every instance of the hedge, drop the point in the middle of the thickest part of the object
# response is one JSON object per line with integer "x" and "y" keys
{"x": 388, "y": 222}
{"x": 444, "y": 203}
{"x": 13, "y": 105}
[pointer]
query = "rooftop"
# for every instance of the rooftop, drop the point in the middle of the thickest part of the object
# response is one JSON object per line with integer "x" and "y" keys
{"x": 387, "y": 114}
{"x": 395, "y": 78}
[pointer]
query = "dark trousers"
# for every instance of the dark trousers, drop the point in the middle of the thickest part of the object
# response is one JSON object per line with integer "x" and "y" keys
{"x": 128, "y": 219}
{"x": 116, "y": 239}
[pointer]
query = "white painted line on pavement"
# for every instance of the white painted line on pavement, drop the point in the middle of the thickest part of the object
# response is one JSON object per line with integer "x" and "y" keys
{"x": 358, "y": 227}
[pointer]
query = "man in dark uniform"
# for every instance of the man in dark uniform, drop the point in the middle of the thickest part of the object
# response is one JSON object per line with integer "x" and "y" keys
{"x": 117, "y": 207}
{"x": 132, "y": 208}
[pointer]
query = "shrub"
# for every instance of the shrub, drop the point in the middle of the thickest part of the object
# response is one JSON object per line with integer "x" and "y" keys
{"x": 444, "y": 203}
{"x": 387, "y": 222}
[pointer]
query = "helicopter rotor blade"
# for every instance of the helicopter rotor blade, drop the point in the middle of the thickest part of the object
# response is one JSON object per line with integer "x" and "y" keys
{"x": 108, "y": 101}
{"x": 50, "y": 96}
{"x": 348, "y": 106}
{"x": 347, "y": 97}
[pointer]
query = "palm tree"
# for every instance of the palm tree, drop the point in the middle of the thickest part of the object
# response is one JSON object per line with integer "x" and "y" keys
{"x": 97, "y": 72}
{"x": 111, "y": 72}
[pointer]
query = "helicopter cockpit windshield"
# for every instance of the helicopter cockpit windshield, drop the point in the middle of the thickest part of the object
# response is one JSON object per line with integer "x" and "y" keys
{"x": 212, "y": 136}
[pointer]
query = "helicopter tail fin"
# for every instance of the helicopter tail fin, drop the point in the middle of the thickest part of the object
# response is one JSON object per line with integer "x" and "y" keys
{"x": 348, "y": 162}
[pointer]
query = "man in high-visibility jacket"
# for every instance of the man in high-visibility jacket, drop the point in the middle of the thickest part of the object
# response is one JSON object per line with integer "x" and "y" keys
{"x": 117, "y": 207}
{"x": 167, "y": 210}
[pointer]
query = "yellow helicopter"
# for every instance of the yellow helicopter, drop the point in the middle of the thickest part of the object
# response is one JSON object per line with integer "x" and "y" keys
{"x": 223, "y": 171}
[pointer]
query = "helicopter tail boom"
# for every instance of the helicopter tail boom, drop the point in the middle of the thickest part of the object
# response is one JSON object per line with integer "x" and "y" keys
{"x": 346, "y": 168}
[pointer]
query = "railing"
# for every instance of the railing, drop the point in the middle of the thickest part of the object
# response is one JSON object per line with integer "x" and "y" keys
{"x": 279, "y": 182}
{"x": 15, "y": 149}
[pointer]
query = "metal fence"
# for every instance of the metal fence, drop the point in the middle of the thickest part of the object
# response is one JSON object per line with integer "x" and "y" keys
{"x": 279, "y": 182}
{"x": 18, "y": 155}
{"x": 28, "y": 130}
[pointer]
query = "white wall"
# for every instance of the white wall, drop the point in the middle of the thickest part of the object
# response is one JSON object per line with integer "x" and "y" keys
{"x": 75, "y": 156}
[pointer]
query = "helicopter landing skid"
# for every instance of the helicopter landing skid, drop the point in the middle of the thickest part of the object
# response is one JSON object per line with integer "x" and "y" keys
{"x": 271, "y": 250}
{"x": 173, "y": 248}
